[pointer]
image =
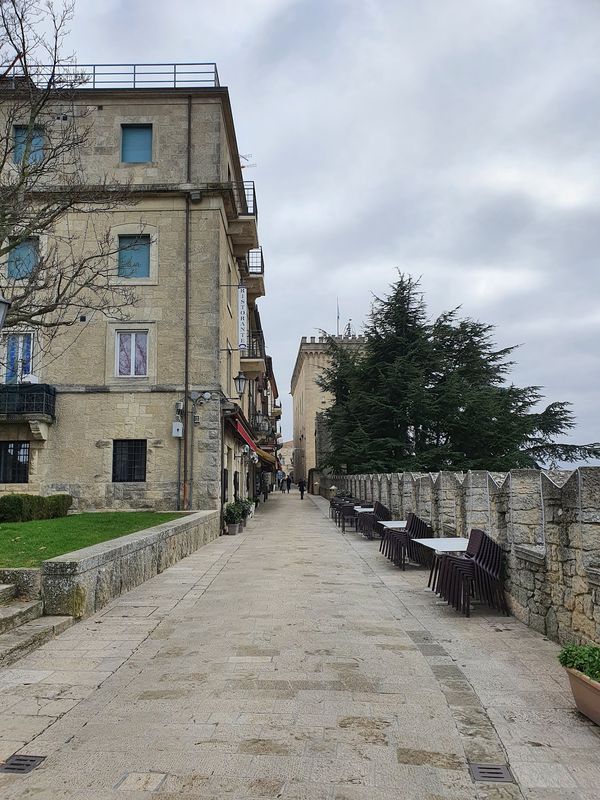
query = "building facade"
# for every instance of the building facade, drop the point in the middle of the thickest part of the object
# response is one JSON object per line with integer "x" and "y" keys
{"x": 310, "y": 401}
{"x": 142, "y": 411}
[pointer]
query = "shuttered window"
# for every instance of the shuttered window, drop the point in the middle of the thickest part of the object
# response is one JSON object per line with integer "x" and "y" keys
{"x": 134, "y": 256}
{"x": 23, "y": 259}
{"x": 28, "y": 140}
{"x": 136, "y": 144}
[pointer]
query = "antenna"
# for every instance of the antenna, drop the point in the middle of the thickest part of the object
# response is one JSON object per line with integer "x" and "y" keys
{"x": 337, "y": 323}
{"x": 246, "y": 158}
{"x": 350, "y": 330}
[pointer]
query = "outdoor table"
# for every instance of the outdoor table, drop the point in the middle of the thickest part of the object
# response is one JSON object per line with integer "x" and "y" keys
{"x": 445, "y": 544}
{"x": 393, "y": 523}
{"x": 360, "y": 509}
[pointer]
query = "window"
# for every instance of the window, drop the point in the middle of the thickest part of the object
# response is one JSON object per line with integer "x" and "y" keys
{"x": 23, "y": 258}
{"x": 32, "y": 139}
{"x": 14, "y": 462}
{"x": 129, "y": 461}
{"x": 134, "y": 256}
{"x": 136, "y": 144}
{"x": 132, "y": 354}
{"x": 19, "y": 348}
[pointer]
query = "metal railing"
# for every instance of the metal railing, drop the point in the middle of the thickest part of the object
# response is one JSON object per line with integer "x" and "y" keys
{"x": 29, "y": 399}
{"x": 256, "y": 345}
{"x": 115, "y": 76}
{"x": 240, "y": 196}
{"x": 256, "y": 262}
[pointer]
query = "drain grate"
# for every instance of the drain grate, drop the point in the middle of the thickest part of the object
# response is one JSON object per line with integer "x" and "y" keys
{"x": 491, "y": 773}
{"x": 21, "y": 765}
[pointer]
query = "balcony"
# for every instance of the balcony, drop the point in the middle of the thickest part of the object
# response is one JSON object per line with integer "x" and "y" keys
{"x": 253, "y": 357}
{"x": 31, "y": 403}
{"x": 254, "y": 278}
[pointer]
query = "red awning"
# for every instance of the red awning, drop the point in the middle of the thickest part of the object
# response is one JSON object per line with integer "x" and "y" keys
{"x": 245, "y": 436}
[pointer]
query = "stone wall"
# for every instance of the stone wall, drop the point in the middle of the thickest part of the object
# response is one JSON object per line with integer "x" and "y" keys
{"x": 82, "y": 582}
{"x": 547, "y": 522}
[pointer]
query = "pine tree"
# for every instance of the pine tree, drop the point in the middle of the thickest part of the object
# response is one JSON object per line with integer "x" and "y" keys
{"x": 425, "y": 396}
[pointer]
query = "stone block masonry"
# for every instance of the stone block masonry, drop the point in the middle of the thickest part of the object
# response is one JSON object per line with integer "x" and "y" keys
{"x": 82, "y": 582}
{"x": 547, "y": 522}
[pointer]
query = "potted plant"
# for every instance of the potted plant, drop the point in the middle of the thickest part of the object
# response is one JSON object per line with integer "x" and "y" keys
{"x": 243, "y": 511}
{"x": 582, "y": 663}
{"x": 233, "y": 517}
{"x": 247, "y": 510}
{"x": 256, "y": 502}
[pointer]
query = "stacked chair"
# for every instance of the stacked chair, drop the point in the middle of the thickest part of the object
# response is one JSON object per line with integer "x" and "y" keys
{"x": 398, "y": 545}
{"x": 476, "y": 573}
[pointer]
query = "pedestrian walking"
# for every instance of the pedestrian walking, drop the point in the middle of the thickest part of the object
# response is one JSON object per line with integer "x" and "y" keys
{"x": 302, "y": 487}
{"x": 288, "y": 483}
{"x": 282, "y": 483}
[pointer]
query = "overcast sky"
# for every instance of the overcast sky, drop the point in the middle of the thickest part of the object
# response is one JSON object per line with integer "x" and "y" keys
{"x": 455, "y": 139}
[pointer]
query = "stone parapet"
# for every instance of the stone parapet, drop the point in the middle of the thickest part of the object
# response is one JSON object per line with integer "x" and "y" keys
{"x": 82, "y": 582}
{"x": 546, "y": 521}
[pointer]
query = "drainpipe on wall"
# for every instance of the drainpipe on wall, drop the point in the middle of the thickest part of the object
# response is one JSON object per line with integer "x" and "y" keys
{"x": 186, "y": 476}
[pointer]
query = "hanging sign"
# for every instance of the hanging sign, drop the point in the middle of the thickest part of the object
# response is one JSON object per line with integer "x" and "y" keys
{"x": 242, "y": 318}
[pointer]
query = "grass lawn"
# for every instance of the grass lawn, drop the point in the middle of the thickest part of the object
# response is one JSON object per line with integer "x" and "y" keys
{"x": 27, "y": 544}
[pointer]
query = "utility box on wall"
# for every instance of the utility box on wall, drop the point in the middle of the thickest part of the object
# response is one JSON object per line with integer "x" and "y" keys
{"x": 177, "y": 430}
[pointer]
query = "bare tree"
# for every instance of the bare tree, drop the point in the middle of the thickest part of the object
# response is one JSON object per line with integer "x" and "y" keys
{"x": 57, "y": 258}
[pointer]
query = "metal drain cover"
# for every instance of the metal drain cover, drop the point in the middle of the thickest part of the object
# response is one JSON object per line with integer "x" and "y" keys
{"x": 491, "y": 773}
{"x": 21, "y": 765}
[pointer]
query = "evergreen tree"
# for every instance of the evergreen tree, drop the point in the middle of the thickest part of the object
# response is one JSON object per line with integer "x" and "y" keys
{"x": 425, "y": 396}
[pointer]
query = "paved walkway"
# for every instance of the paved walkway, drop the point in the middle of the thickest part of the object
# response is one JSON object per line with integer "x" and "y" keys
{"x": 292, "y": 662}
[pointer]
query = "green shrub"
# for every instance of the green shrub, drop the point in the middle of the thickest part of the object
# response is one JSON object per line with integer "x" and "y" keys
{"x": 233, "y": 513}
{"x": 584, "y": 657}
{"x": 11, "y": 508}
{"x": 246, "y": 507}
{"x": 58, "y": 505}
{"x": 25, "y": 507}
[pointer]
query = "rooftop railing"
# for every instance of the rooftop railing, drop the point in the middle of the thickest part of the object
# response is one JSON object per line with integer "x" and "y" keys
{"x": 116, "y": 76}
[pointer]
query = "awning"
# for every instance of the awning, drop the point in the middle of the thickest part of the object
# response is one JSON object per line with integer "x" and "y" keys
{"x": 266, "y": 457}
{"x": 245, "y": 436}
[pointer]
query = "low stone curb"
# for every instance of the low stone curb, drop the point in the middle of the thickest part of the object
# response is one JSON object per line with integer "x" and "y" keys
{"x": 79, "y": 583}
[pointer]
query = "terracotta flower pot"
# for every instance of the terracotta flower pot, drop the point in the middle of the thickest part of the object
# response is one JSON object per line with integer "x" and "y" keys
{"x": 586, "y": 693}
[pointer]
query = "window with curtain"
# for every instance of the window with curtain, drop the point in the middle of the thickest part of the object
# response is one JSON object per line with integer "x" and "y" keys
{"x": 136, "y": 144}
{"x": 14, "y": 462}
{"x": 19, "y": 352}
{"x": 129, "y": 460}
{"x": 132, "y": 354}
{"x": 134, "y": 256}
{"x": 23, "y": 259}
{"x": 28, "y": 140}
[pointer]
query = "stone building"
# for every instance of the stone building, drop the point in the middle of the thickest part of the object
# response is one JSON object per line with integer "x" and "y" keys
{"x": 144, "y": 412}
{"x": 310, "y": 439}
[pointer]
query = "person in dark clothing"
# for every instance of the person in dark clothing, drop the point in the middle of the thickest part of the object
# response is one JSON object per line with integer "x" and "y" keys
{"x": 288, "y": 483}
{"x": 302, "y": 488}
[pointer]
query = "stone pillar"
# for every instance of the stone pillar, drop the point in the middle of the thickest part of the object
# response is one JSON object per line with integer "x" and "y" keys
{"x": 477, "y": 502}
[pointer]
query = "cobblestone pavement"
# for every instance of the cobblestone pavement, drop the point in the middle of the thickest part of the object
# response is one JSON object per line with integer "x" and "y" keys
{"x": 293, "y": 662}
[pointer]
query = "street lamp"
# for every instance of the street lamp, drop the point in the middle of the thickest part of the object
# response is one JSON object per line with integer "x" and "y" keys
{"x": 4, "y": 306}
{"x": 240, "y": 383}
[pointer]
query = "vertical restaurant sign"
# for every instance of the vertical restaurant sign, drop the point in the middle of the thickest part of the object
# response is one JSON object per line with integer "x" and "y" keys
{"x": 243, "y": 318}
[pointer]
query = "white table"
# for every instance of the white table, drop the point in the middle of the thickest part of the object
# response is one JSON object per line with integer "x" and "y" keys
{"x": 394, "y": 523}
{"x": 361, "y": 510}
{"x": 445, "y": 544}
{"x": 448, "y": 544}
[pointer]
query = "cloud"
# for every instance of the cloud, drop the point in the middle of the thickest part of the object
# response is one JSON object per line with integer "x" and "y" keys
{"x": 457, "y": 141}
